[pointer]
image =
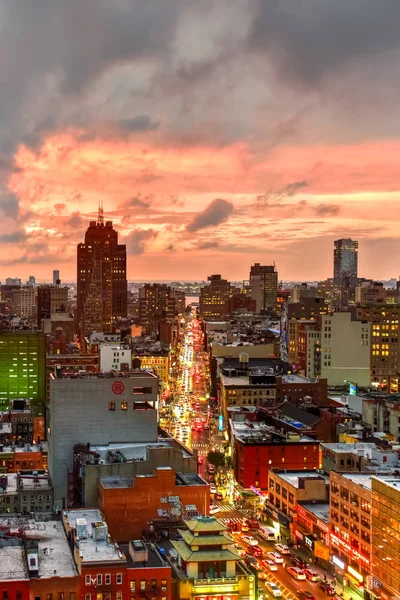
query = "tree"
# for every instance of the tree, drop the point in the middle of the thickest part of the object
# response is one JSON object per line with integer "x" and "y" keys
{"x": 216, "y": 458}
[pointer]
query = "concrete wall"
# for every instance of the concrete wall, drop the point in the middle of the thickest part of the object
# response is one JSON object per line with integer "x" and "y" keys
{"x": 345, "y": 350}
{"x": 80, "y": 412}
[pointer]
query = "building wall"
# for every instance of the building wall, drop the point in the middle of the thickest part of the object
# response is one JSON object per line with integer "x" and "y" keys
{"x": 285, "y": 496}
{"x": 385, "y": 525}
{"x": 112, "y": 357}
{"x": 295, "y": 391}
{"x": 350, "y": 522}
{"x": 162, "y": 457}
{"x": 22, "y": 368}
{"x": 81, "y": 411}
{"x": 10, "y": 588}
{"x": 254, "y": 462}
{"x": 345, "y": 350}
{"x": 93, "y": 580}
{"x": 128, "y": 510}
{"x": 55, "y": 587}
{"x": 156, "y": 581}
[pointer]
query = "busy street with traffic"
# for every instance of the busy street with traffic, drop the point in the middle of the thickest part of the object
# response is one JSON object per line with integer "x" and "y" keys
{"x": 192, "y": 418}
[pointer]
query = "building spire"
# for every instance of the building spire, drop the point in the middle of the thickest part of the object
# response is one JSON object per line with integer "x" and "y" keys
{"x": 100, "y": 216}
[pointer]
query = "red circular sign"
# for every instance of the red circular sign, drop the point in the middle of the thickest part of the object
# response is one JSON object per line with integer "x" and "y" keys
{"x": 117, "y": 387}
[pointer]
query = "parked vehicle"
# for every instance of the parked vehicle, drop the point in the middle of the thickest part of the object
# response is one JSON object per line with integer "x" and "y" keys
{"x": 255, "y": 551}
{"x": 270, "y": 564}
{"x": 311, "y": 575}
{"x": 249, "y": 539}
{"x": 326, "y": 587}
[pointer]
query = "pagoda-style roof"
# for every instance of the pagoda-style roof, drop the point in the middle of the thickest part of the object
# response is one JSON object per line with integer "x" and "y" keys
{"x": 205, "y": 524}
{"x": 220, "y": 539}
{"x": 189, "y": 555}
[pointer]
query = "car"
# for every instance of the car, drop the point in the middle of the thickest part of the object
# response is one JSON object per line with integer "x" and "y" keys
{"x": 282, "y": 548}
{"x": 254, "y": 550}
{"x": 234, "y": 527}
{"x": 270, "y": 565}
{"x": 262, "y": 575}
{"x": 277, "y": 558}
{"x": 298, "y": 562}
{"x": 296, "y": 573}
{"x": 219, "y": 496}
{"x": 249, "y": 539}
{"x": 311, "y": 575}
{"x": 327, "y": 588}
{"x": 238, "y": 548}
{"x": 252, "y": 561}
{"x": 244, "y": 526}
{"x": 305, "y": 595}
{"x": 273, "y": 589}
{"x": 213, "y": 489}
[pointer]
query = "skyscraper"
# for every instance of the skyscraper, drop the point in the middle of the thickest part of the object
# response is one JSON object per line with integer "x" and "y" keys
{"x": 264, "y": 286}
{"x": 102, "y": 285}
{"x": 345, "y": 262}
{"x": 56, "y": 276}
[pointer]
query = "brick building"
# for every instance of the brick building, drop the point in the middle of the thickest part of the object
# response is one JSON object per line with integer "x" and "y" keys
{"x": 258, "y": 448}
{"x": 147, "y": 572}
{"x": 130, "y": 503}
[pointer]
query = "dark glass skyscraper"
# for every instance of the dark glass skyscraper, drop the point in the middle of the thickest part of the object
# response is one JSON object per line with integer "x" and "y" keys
{"x": 102, "y": 285}
{"x": 345, "y": 262}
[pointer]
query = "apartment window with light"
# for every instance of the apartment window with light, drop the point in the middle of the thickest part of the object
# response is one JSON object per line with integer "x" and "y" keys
{"x": 143, "y": 585}
{"x": 111, "y": 406}
{"x": 88, "y": 596}
{"x": 132, "y": 586}
{"x": 124, "y": 406}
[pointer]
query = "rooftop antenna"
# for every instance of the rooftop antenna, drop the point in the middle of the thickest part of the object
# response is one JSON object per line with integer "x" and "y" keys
{"x": 100, "y": 216}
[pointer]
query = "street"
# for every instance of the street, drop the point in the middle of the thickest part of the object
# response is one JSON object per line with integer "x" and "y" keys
{"x": 191, "y": 419}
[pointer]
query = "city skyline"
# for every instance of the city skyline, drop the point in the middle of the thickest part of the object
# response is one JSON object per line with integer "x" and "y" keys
{"x": 216, "y": 137}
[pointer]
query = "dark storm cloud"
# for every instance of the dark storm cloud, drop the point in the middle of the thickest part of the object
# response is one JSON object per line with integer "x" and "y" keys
{"x": 324, "y": 210}
{"x": 137, "y": 202}
{"x": 208, "y": 245}
{"x": 138, "y": 123}
{"x": 216, "y": 213}
{"x": 307, "y": 40}
{"x": 14, "y": 237}
{"x": 75, "y": 220}
{"x": 136, "y": 241}
{"x": 9, "y": 204}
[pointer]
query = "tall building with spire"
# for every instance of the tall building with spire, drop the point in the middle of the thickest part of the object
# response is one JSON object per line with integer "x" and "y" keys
{"x": 102, "y": 285}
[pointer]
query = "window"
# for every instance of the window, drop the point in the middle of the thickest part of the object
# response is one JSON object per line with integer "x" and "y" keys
{"x": 88, "y": 596}
{"x": 124, "y": 406}
{"x": 119, "y": 596}
{"x": 87, "y": 580}
{"x": 132, "y": 586}
{"x": 119, "y": 577}
{"x": 143, "y": 585}
{"x": 99, "y": 579}
{"x": 107, "y": 579}
{"x": 48, "y": 597}
{"x": 111, "y": 406}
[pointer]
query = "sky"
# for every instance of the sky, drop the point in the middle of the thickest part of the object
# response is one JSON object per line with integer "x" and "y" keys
{"x": 217, "y": 134}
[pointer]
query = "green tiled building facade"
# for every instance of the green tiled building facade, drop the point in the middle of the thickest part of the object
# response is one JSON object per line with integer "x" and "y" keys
{"x": 22, "y": 368}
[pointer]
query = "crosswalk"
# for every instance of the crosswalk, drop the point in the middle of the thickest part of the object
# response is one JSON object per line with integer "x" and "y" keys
{"x": 226, "y": 520}
{"x": 224, "y": 506}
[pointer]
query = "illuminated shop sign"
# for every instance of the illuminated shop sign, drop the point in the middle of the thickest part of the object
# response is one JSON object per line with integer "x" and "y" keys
{"x": 339, "y": 563}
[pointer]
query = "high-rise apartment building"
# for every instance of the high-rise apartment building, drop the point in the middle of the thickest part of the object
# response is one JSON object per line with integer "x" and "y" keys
{"x": 214, "y": 297}
{"x": 51, "y": 299}
{"x": 264, "y": 286}
{"x": 385, "y": 550}
{"x": 384, "y": 344}
{"x": 156, "y": 301}
{"x": 102, "y": 285}
{"x": 345, "y": 262}
{"x": 22, "y": 368}
{"x": 24, "y": 302}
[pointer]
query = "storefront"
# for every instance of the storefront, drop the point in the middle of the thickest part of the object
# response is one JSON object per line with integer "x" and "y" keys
{"x": 349, "y": 578}
{"x": 278, "y": 520}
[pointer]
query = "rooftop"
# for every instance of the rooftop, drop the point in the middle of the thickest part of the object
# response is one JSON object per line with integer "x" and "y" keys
{"x": 42, "y": 447}
{"x": 321, "y": 511}
{"x": 93, "y": 541}
{"x": 259, "y": 433}
{"x": 181, "y": 479}
{"x": 153, "y": 561}
{"x": 12, "y": 563}
{"x": 293, "y": 478}
{"x": 55, "y": 558}
{"x": 133, "y": 451}
{"x": 205, "y": 524}
{"x": 361, "y": 479}
{"x": 204, "y": 555}
{"x": 110, "y": 374}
